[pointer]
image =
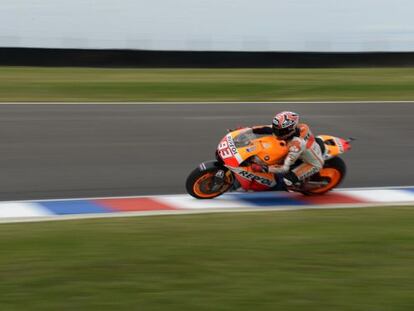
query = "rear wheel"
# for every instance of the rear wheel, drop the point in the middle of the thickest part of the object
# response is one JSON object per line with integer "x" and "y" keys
{"x": 209, "y": 183}
{"x": 329, "y": 177}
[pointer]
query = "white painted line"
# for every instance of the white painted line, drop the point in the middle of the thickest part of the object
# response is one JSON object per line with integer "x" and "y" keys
{"x": 188, "y": 202}
{"x": 382, "y": 195}
{"x": 22, "y": 210}
{"x": 215, "y": 102}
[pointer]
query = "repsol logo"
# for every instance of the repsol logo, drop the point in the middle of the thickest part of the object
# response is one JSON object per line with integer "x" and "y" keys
{"x": 259, "y": 179}
{"x": 231, "y": 145}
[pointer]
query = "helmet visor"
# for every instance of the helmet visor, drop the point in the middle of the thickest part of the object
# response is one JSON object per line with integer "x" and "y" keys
{"x": 282, "y": 133}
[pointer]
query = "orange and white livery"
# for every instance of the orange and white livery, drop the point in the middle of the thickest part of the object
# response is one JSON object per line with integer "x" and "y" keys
{"x": 264, "y": 158}
{"x": 302, "y": 147}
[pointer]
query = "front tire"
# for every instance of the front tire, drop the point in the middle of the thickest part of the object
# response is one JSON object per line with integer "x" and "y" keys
{"x": 202, "y": 184}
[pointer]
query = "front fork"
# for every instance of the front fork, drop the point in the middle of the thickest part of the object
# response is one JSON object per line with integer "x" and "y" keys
{"x": 218, "y": 180}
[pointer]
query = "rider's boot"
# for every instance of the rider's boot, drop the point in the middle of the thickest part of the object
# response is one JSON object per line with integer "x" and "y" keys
{"x": 280, "y": 184}
{"x": 291, "y": 181}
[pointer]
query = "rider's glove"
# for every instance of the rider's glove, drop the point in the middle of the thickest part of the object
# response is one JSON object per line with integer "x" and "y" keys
{"x": 259, "y": 168}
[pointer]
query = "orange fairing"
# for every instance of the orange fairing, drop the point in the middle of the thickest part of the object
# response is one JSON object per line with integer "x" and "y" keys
{"x": 334, "y": 145}
{"x": 238, "y": 146}
{"x": 268, "y": 149}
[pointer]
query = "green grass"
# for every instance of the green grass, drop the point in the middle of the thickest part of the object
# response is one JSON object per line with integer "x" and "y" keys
{"x": 85, "y": 84}
{"x": 300, "y": 260}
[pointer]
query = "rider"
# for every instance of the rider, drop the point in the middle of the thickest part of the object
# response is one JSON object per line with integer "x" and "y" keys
{"x": 302, "y": 145}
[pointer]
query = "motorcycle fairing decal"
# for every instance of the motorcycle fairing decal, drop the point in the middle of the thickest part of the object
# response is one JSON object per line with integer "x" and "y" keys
{"x": 202, "y": 167}
{"x": 228, "y": 152}
{"x": 334, "y": 146}
{"x": 339, "y": 144}
{"x": 233, "y": 148}
{"x": 253, "y": 177}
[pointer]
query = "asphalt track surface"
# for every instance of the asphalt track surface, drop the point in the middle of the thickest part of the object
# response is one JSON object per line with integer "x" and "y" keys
{"x": 66, "y": 150}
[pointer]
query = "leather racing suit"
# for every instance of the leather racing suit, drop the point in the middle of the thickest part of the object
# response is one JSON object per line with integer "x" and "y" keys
{"x": 302, "y": 146}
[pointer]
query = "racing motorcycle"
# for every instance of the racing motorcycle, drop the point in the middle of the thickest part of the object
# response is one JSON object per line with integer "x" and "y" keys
{"x": 239, "y": 149}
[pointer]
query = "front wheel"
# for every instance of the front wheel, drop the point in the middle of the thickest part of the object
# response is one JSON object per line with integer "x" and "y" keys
{"x": 330, "y": 176}
{"x": 209, "y": 183}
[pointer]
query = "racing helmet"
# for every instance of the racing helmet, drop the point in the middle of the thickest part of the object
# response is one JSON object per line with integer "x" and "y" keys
{"x": 284, "y": 124}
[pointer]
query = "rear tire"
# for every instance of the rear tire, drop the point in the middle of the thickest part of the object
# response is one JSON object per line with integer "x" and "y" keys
{"x": 200, "y": 182}
{"x": 334, "y": 171}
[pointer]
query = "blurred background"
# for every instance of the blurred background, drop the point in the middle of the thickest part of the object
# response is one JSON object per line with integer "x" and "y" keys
{"x": 124, "y": 98}
{"x": 207, "y": 26}
{"x": 186, "y": 25}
